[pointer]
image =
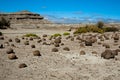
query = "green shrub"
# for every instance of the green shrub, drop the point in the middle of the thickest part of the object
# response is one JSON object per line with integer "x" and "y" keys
{"x": 89, "y": 28}
{"x": 66, "y": 33}
{"x": 110, "y": 29}
{"x": 100, "y": 24}
{"x": 30, "y": 35}
{"x": 56, "y": 35}
{"x": 4, "y": 23}
{"x": 1, "y": 34}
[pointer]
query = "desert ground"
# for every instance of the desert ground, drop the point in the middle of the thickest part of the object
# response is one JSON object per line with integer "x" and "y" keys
{"x": 60, "y": 65}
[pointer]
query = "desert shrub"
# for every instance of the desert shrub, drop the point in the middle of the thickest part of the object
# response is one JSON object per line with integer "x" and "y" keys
{"x": 110, "y": 29}
{"x": 1, "y": 34}
{"x": 100, "y": 24}
{"x": 30, "y": 35}
{"x": 56, "y": 35}
{"x": 66, "y": 33}
{"x": 4, "y": 23}
{"x": 89, "y": 28}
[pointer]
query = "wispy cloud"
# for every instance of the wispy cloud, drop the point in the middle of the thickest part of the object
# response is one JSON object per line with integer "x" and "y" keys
{"x": 83, "y": 18}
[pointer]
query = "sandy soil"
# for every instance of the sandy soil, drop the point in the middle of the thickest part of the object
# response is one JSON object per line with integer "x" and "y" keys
{"x": 61, "y": 65}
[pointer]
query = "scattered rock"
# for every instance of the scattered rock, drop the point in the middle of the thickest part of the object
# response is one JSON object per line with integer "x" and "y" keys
{"x": 10, "y": 40}
{"x": 108, "y": 54}
{"x": 9, "y": 50}
{"x": 36, "y": 53}
{"x": 44, "y": 35}
{"x": 32, "y": 46}
{"x": 1, "y": 46}
{"x": 26, "y": 42}
{"x": 66, "y": 49}
{"x": 12, "y": 56}
{"x": 22, "y": 65}
{"x": 17, "y": 40}
{"x": 54, "y": 50}
{"x": 57, "y": 40}
{"x": 82, "y": 52}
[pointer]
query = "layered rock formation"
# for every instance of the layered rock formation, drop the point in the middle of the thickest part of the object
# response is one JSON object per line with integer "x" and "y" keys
{"x": 25, "y": 17}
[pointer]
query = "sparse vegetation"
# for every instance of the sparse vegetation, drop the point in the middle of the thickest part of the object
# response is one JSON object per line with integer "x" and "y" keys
{"x": 98, "y": 28}
{"x": 4, "y": 23}
{"x": 66, "y": 33}
{"x": 100, "y": 24}
{"x": 30, "y": 35}
{"x": 56, "y": 35}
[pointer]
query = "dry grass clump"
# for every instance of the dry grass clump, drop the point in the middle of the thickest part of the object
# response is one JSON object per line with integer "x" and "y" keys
{"x": 82, "y": 52}
{"x": 9, "y": 50}
{"x": 36, "y": 53}
{"x": 30, "y": 35}
{"x": 66, "y": 33}
{"x": 54, "y": 50}
{"x": 66, "y": 48}
{"x": 22, "y": 65}
{"x": 12, "y": 56}
{"x": 56, "y": 35}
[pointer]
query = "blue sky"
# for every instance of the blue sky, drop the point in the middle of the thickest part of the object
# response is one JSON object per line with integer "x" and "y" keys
{"x": 67, "y": 10}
